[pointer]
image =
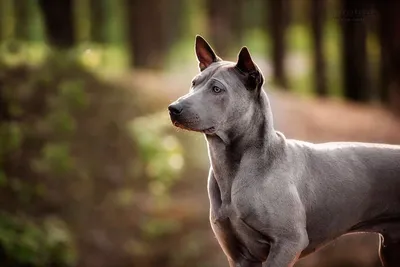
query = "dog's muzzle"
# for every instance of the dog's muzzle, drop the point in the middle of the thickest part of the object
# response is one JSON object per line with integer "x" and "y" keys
{"x": 188, "y": 121}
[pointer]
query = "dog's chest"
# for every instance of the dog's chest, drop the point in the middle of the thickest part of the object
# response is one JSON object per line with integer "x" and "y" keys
{"x": 230, "y": 216}
{"x": 236, "y": 236}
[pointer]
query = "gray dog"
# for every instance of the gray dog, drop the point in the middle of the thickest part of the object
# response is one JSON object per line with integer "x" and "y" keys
{"x": 275, "y": 200}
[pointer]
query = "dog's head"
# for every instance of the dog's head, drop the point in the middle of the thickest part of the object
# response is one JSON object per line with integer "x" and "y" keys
{"x": 221, "y": 96}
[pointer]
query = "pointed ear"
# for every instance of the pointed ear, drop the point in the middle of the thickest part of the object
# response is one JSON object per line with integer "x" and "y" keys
{"x": 253, "y": 76}
{"x": 205, "y": 54}
{"x": 245, "y": 63}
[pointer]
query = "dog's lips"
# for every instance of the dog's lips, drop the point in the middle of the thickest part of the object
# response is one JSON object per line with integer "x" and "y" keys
{"x": 177, "y": 124}
{"x": 182, "y": 126}
{"x": 210, "y": 130}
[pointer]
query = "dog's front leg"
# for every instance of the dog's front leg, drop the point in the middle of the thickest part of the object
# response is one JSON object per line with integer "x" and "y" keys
{"x": 285, "y": 253}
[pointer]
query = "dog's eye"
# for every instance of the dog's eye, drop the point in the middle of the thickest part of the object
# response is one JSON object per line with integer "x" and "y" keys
{"x": 216, "y": 89}
{"x": 193, "y": 83}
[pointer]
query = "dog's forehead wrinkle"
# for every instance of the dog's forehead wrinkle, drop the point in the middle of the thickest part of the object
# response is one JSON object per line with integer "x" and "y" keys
{"x": 218, "y": 69}
{"x": 227, "y": 75}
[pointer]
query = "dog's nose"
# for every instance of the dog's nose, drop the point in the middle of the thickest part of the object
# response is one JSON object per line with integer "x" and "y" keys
{"x": 175, "y": 108}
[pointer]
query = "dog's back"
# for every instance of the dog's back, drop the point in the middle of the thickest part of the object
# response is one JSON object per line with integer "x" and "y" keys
{"x": 359, "y": 181}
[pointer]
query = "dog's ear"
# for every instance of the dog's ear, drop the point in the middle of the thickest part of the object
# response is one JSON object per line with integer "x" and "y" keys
{"x": 205, "y": 54}
{"x": 246, "y": 66}
{"x": 245, "y": 63}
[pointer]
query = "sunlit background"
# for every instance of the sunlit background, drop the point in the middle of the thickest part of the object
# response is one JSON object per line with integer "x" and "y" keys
{"x": 93, "y": 174}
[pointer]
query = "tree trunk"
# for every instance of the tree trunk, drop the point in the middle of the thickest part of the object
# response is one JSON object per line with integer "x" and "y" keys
{"x": 146, "y": 35}
{"x": 23, "y": 19}
{"x": 278, "y": 19}
{"x": 217, "y": 12}
{"x": 385, "y": 24}
{"x": 5, "y": 19}
{"x": 2, "y": 21}
{"x": 99, "y": 21}
{"x": 354, "y": 54}
{"x": 389, "y": 37}
{"x": 225, "y": 24}
{"x": 238, "y": 23}
{"x": 173, "y": 27}
{"x": 318, "y": 8}
{"x": 58, "y": 21}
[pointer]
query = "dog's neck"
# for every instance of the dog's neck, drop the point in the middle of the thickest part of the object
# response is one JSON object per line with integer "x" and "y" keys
{"x": 227, "y": 150}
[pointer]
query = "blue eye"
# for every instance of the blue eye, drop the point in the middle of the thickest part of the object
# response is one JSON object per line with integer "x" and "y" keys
{"x": 216, "y": 89}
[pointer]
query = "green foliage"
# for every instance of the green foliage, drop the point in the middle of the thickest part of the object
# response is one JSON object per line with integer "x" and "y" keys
{"x": 14, "y": 52}
{"x": 73, "y": 93}
{"x": 55, "y": 159}
{"x": 156, "y": 229}
{"x": 41, "y": 107}
{"x": 28, "y": 243}
{"x": 11, "y": 137}
{"x": 74, "y": 144}
{"x": 160, "y": 151}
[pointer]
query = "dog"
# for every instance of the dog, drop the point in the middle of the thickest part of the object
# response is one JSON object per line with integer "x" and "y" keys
{"x": 275, "y": 200}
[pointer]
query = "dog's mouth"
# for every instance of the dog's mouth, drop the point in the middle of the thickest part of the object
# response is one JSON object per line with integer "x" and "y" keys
{"x": 210, "y": 130}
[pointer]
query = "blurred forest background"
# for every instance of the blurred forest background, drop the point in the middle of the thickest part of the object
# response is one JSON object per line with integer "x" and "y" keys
{"x": 92, "y": 173}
